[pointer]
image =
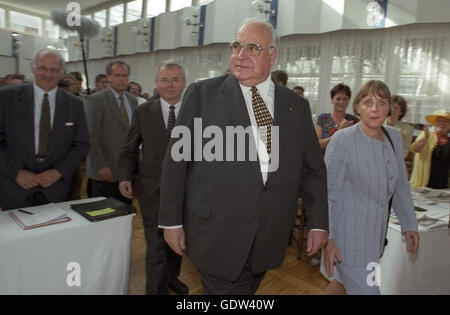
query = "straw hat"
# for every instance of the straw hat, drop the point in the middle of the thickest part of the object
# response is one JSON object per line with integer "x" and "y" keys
{"x": 442, "y": 113}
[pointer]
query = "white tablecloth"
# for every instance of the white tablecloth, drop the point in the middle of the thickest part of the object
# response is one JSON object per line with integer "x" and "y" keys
{"x": 35, "y": 261}
{"x": 427, "y": 272}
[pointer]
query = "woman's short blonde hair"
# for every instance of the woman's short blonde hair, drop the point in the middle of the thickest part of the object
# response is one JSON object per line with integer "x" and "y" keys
{"x": 374, "y": 87}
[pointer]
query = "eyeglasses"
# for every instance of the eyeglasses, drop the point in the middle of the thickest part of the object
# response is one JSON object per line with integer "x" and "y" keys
{"x": 167, "y": 81}
{"x": 252, "y": 49}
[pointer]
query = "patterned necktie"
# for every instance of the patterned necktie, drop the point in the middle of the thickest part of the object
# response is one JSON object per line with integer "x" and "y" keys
{"x": 171, "y": 121}
{"x": 44, "y": 128}
{"x": 263, "y": 118}
{"x": 124, "y": 115}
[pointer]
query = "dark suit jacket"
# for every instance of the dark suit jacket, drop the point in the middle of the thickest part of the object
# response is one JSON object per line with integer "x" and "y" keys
{"x": 147, "y": 128}
{"x": 69, "y": 143}
{"x": 225, "y": 208}
{"x": 106, "y": 132}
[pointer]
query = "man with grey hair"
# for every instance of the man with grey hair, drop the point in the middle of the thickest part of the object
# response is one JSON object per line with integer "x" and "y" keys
{"x": 43, "y": 137}
{"x": 234, "y": 218}
{"x": 109, "y": 115}
{"x": 151, "y": 127}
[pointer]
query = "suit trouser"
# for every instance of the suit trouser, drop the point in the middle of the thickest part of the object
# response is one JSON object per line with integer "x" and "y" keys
{"x": 162, "y": 263}
{"x": 247, "y": 283}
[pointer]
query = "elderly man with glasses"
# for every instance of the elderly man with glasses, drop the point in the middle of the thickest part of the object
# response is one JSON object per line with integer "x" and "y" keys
{"x": 233, "y": 217}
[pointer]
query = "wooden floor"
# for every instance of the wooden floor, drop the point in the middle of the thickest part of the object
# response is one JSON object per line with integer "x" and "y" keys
{"x": 293, "y": 277}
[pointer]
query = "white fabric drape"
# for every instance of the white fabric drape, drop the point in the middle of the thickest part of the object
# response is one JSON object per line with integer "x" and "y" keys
{"x": 414, "y": 60}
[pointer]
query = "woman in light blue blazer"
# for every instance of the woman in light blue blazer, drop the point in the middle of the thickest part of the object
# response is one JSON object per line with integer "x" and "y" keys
{"x": 364, "y": 171}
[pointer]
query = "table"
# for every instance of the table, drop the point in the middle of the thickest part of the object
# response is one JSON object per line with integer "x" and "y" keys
{"x": 428, "y": 272}
{"x": 38, "y": 261}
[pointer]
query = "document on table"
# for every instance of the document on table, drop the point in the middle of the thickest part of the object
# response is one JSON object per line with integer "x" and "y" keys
{"x": 38, "y": 216}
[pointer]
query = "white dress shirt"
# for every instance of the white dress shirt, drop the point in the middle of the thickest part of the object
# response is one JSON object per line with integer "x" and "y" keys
{"x": 165, "y": 109}
{"x": 266, "y": 90}
{"x": 38, "y": 98}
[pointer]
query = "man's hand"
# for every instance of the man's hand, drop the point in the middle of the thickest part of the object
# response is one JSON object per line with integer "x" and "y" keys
{"x": 49, "y": 177}
{"x": 175, "y": 239}
{"x": 27, "y": 179}
{"x": 126, "y": 189}
{"x": 316, "y": 241}
{"x": 105, "y": 174}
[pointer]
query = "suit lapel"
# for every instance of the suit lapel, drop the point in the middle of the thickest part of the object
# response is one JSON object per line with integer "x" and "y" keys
{"x": 283, "y": 119}
{"x": 160, "y": 126}
{"x": 113, "y": 106}
{"x": 26, "y": 103}
{"x": 61, "y": 107}
{"x": 231, "y": 96}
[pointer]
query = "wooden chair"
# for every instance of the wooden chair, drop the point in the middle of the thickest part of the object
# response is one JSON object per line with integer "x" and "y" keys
{"x": 298, "y": 231}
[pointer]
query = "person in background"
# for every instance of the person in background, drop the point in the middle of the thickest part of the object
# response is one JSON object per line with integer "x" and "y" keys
{"x": 299, "y": 90}
{"x": 280, "y": 76}
{"x": 155, "y": 95}
{"x": 15, "y": 79}
{"x": 432, "y": 153}
{"x": 135, "y": 89}
{"x": 79, "y": 85}
{"x": 109, "y": 114}
{"x": 365, "y": 169}
{"x": 101, "y": 82}
{"x": 398, "y": 111}
{"x": 151, "y": 128}
{"x": 328, "y": 123}
{"x": 43, "y": 137}
{"x": 68, "y": 83}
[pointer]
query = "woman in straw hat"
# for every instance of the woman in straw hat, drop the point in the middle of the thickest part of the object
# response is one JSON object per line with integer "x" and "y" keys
{"x": 432, "y": 148}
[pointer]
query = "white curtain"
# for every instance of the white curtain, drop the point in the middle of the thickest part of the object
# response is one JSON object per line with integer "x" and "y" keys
{"x": 414, "y": 60}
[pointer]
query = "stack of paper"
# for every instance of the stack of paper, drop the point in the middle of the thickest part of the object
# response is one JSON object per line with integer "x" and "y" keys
{"x": 34, "y": 217}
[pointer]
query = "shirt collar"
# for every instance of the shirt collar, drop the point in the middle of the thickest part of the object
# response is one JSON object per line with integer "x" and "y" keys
{"x": 167, "y": 105}
{"x": 38, "y": 92}
{"x": 263, "y": 87}
{"x": 116, "y": 95}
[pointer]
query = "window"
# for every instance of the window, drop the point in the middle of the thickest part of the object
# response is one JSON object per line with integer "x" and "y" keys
{"x": 179, "y": 4}
{"x": 155, "y": 7}
{"x": 134, "y": 9}
{"x": 116, "y": 14}
{"x": 2, "y": 18}
{"x": 52, "y": 30}
{"x": 25, "y": 23}
{"x": 100, "y": 17}
{"x": 203, "y": 2}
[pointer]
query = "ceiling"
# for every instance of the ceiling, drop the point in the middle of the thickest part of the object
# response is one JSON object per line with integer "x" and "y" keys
{"x": 44, "y": 7}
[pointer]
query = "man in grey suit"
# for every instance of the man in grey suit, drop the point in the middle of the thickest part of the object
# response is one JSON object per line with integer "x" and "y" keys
{"x": 151, "y": 127}
{"x": 232, "y": 215}
{"x": 109, "y": 114}
{"x": 43, "y": 137}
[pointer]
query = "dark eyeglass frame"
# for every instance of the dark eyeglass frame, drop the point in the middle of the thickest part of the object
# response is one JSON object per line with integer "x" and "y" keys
{"x": 252, "y": 49}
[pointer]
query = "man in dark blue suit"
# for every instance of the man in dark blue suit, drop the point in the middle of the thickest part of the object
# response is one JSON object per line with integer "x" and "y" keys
{"x": 43, "y": 137}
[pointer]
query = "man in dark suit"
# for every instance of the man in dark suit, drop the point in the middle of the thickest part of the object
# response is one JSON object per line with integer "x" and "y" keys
{"x": 43, "y": 137}
{"x": 151, "y": 127}
{"x": 232, "y": 215}
{"x": 109, "y": 114}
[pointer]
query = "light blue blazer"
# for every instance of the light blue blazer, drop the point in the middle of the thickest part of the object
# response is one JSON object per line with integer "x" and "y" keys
{"x": 362, "y": 174}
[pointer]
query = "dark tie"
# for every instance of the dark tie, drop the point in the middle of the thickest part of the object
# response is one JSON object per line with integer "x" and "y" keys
{"x": 263, "y": 118}
{"x": 44, "y": 128}
{"x": 171, "y": 121}
{"x": 124, "y": 115}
